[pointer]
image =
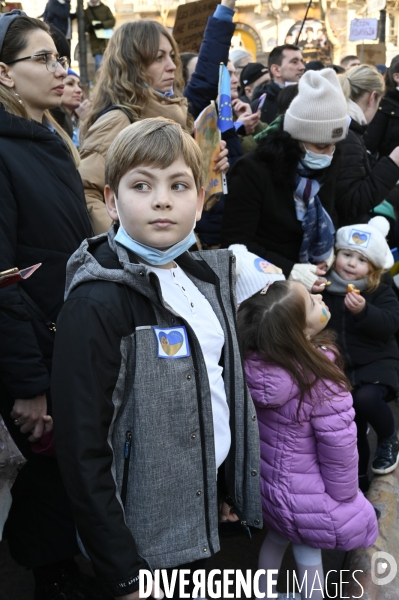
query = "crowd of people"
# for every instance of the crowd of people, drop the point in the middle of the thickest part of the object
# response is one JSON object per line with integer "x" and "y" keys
{"x": 141, "y": 406}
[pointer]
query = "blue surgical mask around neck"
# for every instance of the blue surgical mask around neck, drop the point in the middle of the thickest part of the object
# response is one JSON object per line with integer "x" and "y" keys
{"x": 313, "y": 160}
{"x": 153, "y": 256}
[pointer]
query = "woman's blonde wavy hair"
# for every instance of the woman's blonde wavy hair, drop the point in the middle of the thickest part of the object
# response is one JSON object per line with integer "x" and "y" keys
{"x": 360, "y": 80}
{"x": 123, "y": 79}
{"x": 16, "y": 39}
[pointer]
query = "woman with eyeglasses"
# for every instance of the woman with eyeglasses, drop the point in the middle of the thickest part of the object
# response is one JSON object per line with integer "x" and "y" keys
{"x": 43, "y": 219}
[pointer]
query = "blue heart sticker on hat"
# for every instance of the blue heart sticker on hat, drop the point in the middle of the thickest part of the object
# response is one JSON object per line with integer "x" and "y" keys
{"x": 359, "y": 238}
{"x": 172, "y": 342}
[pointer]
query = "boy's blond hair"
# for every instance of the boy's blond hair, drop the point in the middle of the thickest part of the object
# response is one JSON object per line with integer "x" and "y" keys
{"x": 156, "y": 143}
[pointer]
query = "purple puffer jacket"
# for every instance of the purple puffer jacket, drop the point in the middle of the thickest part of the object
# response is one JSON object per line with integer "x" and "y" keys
{"x": 309, "y": 478}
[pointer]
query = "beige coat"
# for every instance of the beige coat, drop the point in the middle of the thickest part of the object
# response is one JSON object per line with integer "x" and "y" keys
{"x": 95, "y": 146}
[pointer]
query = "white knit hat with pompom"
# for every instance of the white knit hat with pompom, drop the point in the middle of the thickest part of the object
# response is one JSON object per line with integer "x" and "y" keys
{"x": 252, "y": 272}
{"x": 367, "y": 239}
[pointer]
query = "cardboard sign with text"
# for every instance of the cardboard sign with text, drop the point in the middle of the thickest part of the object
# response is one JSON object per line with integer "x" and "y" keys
{"x": 371, "y": 54}
{"x": 190, "y": 24}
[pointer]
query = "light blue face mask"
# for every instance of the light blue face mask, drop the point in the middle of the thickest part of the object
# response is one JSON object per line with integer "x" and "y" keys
{"x": 150, "y": 255}
{"x": 315, "y": 161}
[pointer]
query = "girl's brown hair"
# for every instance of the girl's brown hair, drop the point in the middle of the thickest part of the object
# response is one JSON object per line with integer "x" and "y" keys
{"x": 273, "y": 325}
{"x": 15, "y": 41}
{"x": 123, "y": 79}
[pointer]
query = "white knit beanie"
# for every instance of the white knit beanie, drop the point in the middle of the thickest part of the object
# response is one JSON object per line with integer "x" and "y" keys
{"x": 252, "y": 272}
{"x": 318, "y": 114}
{"x": 369, "y": 240}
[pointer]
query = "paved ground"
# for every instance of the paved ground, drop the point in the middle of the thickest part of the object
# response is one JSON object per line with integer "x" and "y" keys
{"x": 238, "y": 552}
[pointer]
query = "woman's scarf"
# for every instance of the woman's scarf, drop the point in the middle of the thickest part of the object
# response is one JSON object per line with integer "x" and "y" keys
{"x": 318, "y": 228}
{"x": 339, "y": 286}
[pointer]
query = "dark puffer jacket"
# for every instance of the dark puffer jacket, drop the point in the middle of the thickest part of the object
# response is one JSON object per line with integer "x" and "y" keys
{"x": 260, "y": 208}
{"x": 382, "y": 134}
{"x": 359, "y": 187}
{"x": 367, "y": 340}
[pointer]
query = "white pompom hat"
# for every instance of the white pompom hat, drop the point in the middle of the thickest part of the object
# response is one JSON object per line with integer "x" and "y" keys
{"x": 252, "y": 272}
{"x": 367, "y": 239}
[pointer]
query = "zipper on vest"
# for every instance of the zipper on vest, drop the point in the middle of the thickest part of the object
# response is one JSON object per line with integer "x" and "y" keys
{"x": 245, "y": 478}
{"x": 232, "y": 382}
{"x": 202, "y": 429}
{"x": 127, "y": 451}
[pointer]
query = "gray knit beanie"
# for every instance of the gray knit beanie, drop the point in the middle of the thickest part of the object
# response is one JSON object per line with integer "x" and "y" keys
{"x": 319, "y": 113}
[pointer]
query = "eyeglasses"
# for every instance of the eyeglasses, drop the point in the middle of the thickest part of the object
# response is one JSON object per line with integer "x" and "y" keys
{"x": 52, "y": 61}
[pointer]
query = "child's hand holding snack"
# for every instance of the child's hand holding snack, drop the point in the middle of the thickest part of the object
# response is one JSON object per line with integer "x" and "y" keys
{"x": 354, "y": 301}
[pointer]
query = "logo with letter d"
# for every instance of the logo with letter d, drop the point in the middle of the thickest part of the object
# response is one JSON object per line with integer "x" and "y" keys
{"x": 383, "y": 568}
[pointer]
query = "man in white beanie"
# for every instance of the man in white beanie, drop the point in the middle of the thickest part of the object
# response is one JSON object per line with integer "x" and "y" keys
{"x": 281, "y": 196}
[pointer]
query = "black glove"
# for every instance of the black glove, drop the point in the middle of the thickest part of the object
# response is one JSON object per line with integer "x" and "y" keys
{"x": 99, "y": 26}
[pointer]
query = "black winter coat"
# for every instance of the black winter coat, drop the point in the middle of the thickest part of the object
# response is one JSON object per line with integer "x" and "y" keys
{"x": 382, "y": 134}
{"x": 359, "y": 187}
{"x": 260, "y": 211}
{"x": 43, "y": 219}
{"x": 58, "y": 14}
{"x": 367, "y": 340}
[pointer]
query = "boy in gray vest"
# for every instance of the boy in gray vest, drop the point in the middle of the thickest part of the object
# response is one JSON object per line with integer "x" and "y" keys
{"x": 154, "y": 426}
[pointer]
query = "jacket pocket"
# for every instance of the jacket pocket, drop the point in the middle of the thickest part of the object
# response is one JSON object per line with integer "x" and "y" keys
{"x": 127, "y": 452}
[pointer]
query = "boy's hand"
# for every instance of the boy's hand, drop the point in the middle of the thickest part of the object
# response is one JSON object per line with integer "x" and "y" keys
{"x": 136, "y": 595}
{"x": 221, "y": 161}
{"x": 226, "y": 513}
{"x": 354, "y": 302}
{"x": 28, "y": 415}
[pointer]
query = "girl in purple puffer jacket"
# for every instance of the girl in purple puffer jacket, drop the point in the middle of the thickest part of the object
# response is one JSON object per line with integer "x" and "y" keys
{"x": 309, "y": 456}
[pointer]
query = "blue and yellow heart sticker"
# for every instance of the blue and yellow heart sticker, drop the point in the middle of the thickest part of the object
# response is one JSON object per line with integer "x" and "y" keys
{"x": 359, "y": 238}
{"x": 172, "y": 342}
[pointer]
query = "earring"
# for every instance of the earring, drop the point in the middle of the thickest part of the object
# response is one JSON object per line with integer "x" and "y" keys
{"x": 18, "y": 96}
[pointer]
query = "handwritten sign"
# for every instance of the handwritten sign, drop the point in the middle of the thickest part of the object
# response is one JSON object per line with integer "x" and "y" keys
{"x": 190, "y": 23}
{"x": 363, "y": 29}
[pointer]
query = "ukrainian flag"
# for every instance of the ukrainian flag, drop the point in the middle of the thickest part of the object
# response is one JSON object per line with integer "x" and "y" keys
{"x": 225, "y": 116}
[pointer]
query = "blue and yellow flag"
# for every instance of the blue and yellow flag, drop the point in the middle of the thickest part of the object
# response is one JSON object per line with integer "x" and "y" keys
{"x": 225, "y": 116}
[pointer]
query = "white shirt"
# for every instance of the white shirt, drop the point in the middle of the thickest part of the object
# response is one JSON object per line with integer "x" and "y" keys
{"x": 180, "y": 293}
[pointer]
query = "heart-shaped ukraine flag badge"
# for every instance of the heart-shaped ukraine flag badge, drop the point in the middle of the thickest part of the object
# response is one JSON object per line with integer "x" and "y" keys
{"x": 171, "y": 342}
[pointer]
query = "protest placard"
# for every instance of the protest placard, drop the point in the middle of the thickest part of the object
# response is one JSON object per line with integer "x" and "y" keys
{"x": 190, "y": 24}
{"x": 363, "y": 29}
{"x": 208, "y": 138}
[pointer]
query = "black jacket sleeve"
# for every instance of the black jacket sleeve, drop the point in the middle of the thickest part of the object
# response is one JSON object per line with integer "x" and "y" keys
{"x": 85, "y": 370}
{"x": 22, "y": 368}
{"x": 358, "y": 188}
{"x": 379, "y": 320}
{"x": 203, "y": 85}
{"x": 109, "y": 20}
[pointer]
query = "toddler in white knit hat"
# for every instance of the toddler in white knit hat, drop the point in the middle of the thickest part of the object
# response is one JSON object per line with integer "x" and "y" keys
{"x": 365, "y": 315}
{"x": 252, "y": 272}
